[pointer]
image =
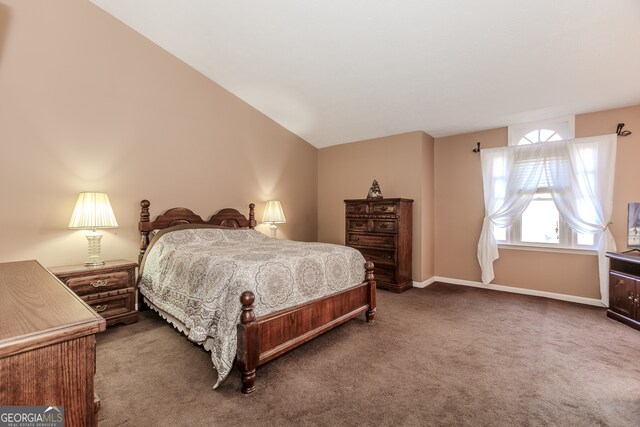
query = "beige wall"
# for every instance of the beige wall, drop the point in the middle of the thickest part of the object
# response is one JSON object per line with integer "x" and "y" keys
{"x": 403, "y": 166}
{"x": 459, "y": 211}
{"x": 86, "y": 103}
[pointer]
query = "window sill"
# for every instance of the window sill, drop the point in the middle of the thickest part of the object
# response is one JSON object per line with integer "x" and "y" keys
{"x": 534, "y": 248}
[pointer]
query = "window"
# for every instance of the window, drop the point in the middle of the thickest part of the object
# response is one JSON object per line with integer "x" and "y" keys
{"x": 541, "y": 224}
{"x": 542, "y": 131}
{"x": 525, "y": 187}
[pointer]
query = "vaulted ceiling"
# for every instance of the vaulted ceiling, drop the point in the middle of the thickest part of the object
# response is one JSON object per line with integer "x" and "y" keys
{"x": 336, "y": 71}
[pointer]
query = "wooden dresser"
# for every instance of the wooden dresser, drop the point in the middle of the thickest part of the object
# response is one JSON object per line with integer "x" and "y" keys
{"x": 109, "y": 289}
{"x": 47, "y": 343}
{"x": 624, "y": 288}
{"x": 381, "y": 230}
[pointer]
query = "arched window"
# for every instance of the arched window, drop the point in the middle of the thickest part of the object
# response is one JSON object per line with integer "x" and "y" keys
{"x": 541, "y": 224}
{"x": 542, "y": 131}
{"x": 540, "y": 135}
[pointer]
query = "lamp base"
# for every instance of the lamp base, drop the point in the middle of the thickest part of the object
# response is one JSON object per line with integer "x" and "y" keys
{"x": 274, "y": 230}
{"x": 95, "y": 259}
{"x": 94, "y": 263}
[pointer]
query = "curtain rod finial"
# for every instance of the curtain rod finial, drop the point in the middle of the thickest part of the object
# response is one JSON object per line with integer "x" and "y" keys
{"x": 621, "y": 132}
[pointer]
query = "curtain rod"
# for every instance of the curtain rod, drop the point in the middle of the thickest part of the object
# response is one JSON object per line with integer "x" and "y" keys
{"x": 619, "y": 132}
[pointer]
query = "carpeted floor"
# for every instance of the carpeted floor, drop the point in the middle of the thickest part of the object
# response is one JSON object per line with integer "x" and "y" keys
{"x": 444, "y": 355}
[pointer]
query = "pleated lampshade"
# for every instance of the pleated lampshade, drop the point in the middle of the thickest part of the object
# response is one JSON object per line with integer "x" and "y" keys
{"x": 273, "y": 213}
{"x": 92, "y": 211}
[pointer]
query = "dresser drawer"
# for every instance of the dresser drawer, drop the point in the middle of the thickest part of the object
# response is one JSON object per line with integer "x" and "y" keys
{"x": 112, "y": 305}
{"x": 92, "y": 284}
{"x": 379, "y": 256}
{"x": 371, "y": 240}
{"x": 383, "y": 208}
{"x": 357, "y": 208}
{"x": 384, "y": 226}
{"x": 384, "y": 274}
{"x": 358, "y": 224}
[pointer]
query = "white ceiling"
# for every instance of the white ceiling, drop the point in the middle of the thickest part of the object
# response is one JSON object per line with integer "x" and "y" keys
{"x": 336, "y": 71}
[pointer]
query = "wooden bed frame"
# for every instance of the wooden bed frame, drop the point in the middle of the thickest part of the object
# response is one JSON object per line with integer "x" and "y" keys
{"x": 261, "y": 339}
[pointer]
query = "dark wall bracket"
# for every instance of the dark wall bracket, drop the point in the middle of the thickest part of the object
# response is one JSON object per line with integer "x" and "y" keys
{"x": 621, "y": 132}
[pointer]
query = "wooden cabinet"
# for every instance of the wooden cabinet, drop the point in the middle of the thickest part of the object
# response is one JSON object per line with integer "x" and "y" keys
{"x": 109, "y": 289}
{"x": 47, "y": 343}
{"x": 624, "y": 288}
{"x": 381, "y": 230}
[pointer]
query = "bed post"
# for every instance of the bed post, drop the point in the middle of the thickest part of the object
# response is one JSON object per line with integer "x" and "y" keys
{"x": 144, "y": 239}
{"x": 252, "y": 216}
{"x": 248, "y": 352}
{"x": 371, "y": 291}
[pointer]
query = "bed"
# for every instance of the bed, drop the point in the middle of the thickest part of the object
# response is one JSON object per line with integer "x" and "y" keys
{"x": 262, "y": 329}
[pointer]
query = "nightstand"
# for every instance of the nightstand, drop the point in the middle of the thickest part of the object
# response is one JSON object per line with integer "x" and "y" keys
{"x": 109, "y": 289}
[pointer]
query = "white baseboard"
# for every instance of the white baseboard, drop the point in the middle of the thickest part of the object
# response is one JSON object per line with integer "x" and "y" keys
{"x": 502, "y": 288}
{"x": 425, "y": 283}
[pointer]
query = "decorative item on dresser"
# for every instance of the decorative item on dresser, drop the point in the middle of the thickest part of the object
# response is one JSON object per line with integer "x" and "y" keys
{"x": 374, "y": 191}
{"x": 110, "y": 289}
{"x": 624, "y": 288}
{"x": 381, "y": 230}
{"x": 47, "y": 344}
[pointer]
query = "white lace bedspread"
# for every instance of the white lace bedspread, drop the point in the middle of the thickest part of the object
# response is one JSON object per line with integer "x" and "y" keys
{"x": 198, "y": 274}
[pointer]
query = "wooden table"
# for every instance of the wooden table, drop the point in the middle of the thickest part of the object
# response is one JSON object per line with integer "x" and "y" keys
{"x": 47, "y": 343}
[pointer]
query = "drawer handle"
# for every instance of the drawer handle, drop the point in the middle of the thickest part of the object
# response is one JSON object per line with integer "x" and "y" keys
{"x": 359, "y": 208}
{"x": 383, "y": 208}
{"x": 387, "y": 256}
{"x": 99, "y": 283}
{"x": 387, "y": 273}
{"x": 355, "y": 238}
{"x": 101, "y": 308}
{"x": 385, "y": 225}
{"x": 359, "y": 224}
{"x": 387, "y": 241}
{"x": 630, "y": 297}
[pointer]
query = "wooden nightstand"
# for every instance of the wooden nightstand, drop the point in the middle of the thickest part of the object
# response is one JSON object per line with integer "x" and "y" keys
{"x": 109, "y": 289}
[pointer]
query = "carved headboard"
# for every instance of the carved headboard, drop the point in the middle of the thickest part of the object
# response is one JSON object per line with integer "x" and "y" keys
{"x": 228, "y": 217}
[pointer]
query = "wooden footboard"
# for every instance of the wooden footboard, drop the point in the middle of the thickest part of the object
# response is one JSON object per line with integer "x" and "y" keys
{"x": 261, "y": 339}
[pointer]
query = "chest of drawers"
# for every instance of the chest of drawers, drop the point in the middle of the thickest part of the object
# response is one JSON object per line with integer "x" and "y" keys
{"x": 381, "y": 230}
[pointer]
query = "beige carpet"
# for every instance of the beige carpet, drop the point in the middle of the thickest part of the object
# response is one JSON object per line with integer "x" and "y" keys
{"x": 444, "y": 355}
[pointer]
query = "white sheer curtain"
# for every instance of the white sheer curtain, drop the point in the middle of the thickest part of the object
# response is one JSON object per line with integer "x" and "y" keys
{"x": 580, "y": 174}
{"x": 510, "y": 176}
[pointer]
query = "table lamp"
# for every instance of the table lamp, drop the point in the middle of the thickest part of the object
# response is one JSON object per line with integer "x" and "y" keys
{"x": 273, "y": 215}
{"x": 93, "y": 211}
